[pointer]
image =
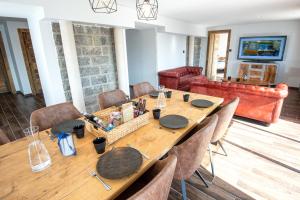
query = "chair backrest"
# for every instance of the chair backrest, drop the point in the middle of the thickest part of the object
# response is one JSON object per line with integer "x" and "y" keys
{"x": 191, "y": 152}
{"x": 161, "y": 176}
{"x": 3, "y": 138}
{"x": 52, "y": 115}
{"x": 141, "y": 89}
{"x": 111, "y": 98}
{"x": 225, "y": 115}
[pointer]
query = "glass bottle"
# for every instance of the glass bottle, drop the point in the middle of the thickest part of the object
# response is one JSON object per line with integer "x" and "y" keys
{"x": 39, "y": 158}
{"x": 161, "y": 100}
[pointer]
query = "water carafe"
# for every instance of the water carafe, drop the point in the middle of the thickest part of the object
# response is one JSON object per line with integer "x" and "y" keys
{"x": 161, "y": 100}
{"x": 39, "y": 157}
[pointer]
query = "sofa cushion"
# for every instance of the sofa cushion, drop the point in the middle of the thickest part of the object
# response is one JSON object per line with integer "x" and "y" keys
{"x": 185, "y": 80}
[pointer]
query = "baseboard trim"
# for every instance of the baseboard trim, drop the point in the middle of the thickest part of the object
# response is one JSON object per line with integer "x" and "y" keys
{"x": 25, "y": 95}
{"x": 293, "y": 88}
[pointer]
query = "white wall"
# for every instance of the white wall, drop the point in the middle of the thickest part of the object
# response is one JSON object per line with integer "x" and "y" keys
{"x": 141, "y": 55}
{"x": 289, "y": 68}
{"x": 170, "y": 49}
{"x": 11, "y": 61}
{"x": 12, "y": 28}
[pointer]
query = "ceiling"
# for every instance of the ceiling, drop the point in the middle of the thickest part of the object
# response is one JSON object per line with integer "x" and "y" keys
{"x": 224, "y": 12}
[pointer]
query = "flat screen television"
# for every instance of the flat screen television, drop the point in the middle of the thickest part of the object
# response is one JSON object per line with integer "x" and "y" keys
{"x": 264, "y": 48}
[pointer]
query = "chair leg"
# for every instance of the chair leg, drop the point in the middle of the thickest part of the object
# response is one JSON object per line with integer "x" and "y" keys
{"x": 221, "y": 145}
{"x": 183, "y": 190}
{"x": 201, "y": 177}
{"x": 211, "y": 162}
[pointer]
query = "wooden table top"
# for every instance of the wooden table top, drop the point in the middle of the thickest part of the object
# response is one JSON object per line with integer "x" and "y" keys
{"x": 68, "y": 178}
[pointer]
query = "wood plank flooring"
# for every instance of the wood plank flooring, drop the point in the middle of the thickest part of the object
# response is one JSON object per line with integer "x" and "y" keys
{"x": 262, "y": 162}
{"x": 15, "y": 111}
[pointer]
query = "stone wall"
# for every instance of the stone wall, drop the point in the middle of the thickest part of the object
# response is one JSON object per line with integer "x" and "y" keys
{"x": 197, "y": 44}
{"x": 197, "y": 48}
{"x": 96, "y": 58}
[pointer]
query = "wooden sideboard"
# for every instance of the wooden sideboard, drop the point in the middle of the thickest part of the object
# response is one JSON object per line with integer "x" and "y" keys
{"x": 258, "y": 71}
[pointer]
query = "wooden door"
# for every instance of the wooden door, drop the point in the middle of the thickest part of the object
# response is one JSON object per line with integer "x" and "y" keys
{"x": 3, "y": 79}
{"x": 30, "y": 62}
{"x": 6, "y": 81}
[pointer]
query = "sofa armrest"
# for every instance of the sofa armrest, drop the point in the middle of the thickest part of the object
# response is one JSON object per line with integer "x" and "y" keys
{"x": 171, "y": 74}
{"x": 169, "y": 82}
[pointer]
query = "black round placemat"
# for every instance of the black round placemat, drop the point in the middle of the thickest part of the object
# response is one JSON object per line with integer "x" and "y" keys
{"x": 154, "y": 94}
{"x": 202, "y": 103}
{"x": 66, "y": 126}
{"x": 173, "y": 121}
{"x": 119, "y": 162}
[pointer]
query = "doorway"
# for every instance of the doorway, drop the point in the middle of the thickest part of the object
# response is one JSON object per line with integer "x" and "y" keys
{"x": 6, "y": 82}
{"x": 30, "y": 62}
{"x": 217, "y": 56}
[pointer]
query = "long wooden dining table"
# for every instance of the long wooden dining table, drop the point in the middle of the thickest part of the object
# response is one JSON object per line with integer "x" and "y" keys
{"x": 68, "y": 178}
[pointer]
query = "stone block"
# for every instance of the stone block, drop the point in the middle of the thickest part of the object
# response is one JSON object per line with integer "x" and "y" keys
{"x": 88, "y": 91}
{"x": 106, "y": 51}
{"x": 91, "y": 100}
{"x": 91, "y": 51}
{"x": 96, "y": 30}
{"x": 89, "y": 71}
{"x": 85, "y": 82}
{"x": 100, "y": 60}
{"x": 57, "y": 39}
{"x": 98, "y": 89}
{"x": 62, "y": 63}
{"x": 68, "y": 95}
{"x": 64, "y": 74}
{"x": 83, "y": 40}
{"x": 111, "y": 77}
{"x": 101, "y": 40}
{"x": 83, "y": 61}
{"x": 96, "y": 80}
{"x": 60, "y": 51}
{"x": 55, "y": 28}
{"x": 106, "y": 31}
{"x": 78, "y": 29}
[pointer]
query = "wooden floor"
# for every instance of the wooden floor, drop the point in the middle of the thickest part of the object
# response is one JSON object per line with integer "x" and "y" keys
{"x": 291, "y": 106}
{"x": 15, "y": 111}
{"x": 262, "y": 162}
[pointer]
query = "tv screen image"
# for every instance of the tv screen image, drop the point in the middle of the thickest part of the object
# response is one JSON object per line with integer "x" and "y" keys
{"x": 269, "y": 48}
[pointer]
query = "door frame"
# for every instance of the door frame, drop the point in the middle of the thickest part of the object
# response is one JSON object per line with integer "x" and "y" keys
{"x": 227, "y": 48}
{"x": 11, "y": 86}
{"x": 25, "y": 57}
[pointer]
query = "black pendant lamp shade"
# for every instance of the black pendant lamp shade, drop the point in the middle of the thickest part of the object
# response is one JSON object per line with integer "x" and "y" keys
{"x": 104, "y": 6}
{"x": 147, "y": 9}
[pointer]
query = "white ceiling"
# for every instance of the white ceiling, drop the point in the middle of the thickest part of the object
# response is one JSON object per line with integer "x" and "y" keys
{"x": 224, "y": 12}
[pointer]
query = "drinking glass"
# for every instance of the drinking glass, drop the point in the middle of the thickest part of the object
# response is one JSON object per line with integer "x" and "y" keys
{"x": 39, "y": 158}
{"x": 161, "y": 100}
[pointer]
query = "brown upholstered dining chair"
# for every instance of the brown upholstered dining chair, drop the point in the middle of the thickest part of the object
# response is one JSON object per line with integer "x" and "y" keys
{"x": 191, "y": 152}
{"x": 50, "y": 116}
{"x": 112, "y": 98}
{"x": 3, "y": 138}
{"x": 142, "y": 89}
{"x": 225, "y": 115}
{"x": 155, "y": 184}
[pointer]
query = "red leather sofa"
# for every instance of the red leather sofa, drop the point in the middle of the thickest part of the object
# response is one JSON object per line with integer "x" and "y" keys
{"x": 258, "y": 103}
{"x": 180, "y": 78}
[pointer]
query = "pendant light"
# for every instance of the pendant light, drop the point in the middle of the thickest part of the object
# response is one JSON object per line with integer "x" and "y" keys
{"x": 147, "y": 9}
{"x": 104, "y": 6}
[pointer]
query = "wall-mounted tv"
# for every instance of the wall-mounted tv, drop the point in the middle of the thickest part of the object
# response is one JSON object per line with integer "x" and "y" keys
{"x": 265, "y": 48}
